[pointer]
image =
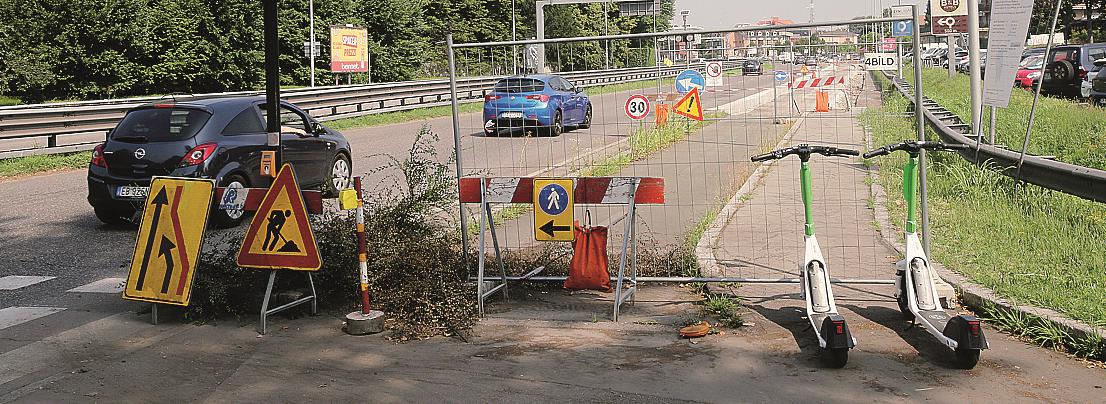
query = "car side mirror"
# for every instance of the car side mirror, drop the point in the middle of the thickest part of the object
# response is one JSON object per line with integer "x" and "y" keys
{"x": 317, "y": 128}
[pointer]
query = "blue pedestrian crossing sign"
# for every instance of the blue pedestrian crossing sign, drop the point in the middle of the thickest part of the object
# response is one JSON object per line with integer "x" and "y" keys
{"x": 902, "y": 28}
{"x": 781, "y": 75}
{"x": 553, "y": 212}
{"x": 689, "y": 79}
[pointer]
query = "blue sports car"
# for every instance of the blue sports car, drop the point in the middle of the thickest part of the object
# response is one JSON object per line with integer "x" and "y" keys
{"x": 542, "y": 104}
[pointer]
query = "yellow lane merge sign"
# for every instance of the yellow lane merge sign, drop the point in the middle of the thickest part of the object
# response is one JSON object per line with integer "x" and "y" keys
{"x": 169, "y": 240}
{"x": 553, "y": 211}
{"x": 691, "y": 105}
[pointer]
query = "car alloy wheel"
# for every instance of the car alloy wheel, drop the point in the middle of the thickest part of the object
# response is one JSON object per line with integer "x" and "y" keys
{"x": 340, "y": 173}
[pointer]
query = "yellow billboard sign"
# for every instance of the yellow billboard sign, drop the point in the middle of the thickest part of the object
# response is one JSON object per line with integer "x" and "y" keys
{"x": 349, "y": 49}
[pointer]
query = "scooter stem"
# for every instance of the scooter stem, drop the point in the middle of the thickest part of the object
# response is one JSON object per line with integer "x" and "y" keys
{"x": 909, "y": 191}
{"x": 808, "y": 196}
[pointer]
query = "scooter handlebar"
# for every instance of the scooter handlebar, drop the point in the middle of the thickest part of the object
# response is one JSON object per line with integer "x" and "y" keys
{"x": 805, "y": 151}
{"x": 913, "y": 146}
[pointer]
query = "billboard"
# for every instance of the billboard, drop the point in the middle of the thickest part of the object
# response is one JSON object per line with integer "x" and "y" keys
{"x": 349, "y": 52}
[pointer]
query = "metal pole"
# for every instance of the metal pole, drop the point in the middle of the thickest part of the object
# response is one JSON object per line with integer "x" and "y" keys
{"x": 272, "y": 78}
{"x": 514, "y": 37}
{"x": 607, "y": 43}
{"x": 994, "y": 110}
{"x": 975, "y": 80}
{"x": 1037, "y": 92}
{"x": 919, "y": 126}
{"x": 457, "y": 141}
{"x": 539, "y": 17}
{"x": 311, "y": 12}
{"x": 951, "y": 55}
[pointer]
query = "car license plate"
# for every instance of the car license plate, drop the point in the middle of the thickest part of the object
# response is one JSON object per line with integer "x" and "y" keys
{"x": 512, "y": 115}
{"x": 132, "y": 192}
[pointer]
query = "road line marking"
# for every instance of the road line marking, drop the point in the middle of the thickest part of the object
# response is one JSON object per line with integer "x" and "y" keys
{"x": 12, "y": 282}
{"x": 12, "y": 316}
{"x": 107, "y": 285}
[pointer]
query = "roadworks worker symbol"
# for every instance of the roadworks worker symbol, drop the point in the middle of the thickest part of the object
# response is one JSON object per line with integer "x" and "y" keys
{"x": 169, "y": 240}
{"x": 804, "y": 70}
{"x": 690, "y": 106}
{"x": 553, "y": 213}
{"x": 280, "y": 235}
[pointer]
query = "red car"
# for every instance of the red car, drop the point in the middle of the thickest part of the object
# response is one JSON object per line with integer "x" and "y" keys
{"x": 1029, "y": 72}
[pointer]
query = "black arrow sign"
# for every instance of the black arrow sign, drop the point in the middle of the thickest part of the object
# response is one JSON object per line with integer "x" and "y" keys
{"x": 166, "y": 250}
{"x": 160, "y": 200}
{"x": 549, "y": 228}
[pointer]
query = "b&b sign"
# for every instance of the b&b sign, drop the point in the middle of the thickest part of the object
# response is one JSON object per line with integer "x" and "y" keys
{"x": 881, "y": 61}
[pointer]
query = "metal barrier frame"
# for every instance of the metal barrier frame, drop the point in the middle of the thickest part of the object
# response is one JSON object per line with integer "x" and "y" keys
{"x": 627, "y": 257}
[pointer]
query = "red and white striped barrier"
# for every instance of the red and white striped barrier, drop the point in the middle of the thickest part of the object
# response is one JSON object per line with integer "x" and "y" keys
{"x": 820, "y": 82}
{"x": 588, "y": 190}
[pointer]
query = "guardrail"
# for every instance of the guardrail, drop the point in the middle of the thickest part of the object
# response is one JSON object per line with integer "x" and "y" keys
{"x": 51, "y": 121}
{"x": 1084, "y": 182}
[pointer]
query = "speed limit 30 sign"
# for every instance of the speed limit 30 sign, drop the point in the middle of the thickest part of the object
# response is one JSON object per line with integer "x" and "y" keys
{"x": 637, "y": 107}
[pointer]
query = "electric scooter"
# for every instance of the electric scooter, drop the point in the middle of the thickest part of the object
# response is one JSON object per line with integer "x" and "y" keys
{"x": 814, "y": 280}
{"x": 914, "y": 287}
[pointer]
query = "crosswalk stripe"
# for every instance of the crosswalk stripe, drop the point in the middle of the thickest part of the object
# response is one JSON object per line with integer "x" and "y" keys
{"x": 106, "y": 285}
{"x": 12, "y": 282}
{"x": 12, "y": 316}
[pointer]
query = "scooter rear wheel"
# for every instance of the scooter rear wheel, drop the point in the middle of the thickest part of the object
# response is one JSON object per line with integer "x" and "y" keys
{"x": 837, "y": 357}
{"x": 967, "y": 358}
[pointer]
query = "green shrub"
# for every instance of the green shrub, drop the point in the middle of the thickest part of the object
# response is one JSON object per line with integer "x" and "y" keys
{"x": 414, "y": 260}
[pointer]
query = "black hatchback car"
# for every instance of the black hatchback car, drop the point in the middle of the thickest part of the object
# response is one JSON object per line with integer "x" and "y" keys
{"x": 216, "y": 138}
{"x": 751, "y": 66}
{"x": 1067, "y": 68}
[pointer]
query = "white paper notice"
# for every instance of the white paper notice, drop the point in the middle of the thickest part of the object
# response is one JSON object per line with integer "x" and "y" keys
{"x": 1009, "y": 27}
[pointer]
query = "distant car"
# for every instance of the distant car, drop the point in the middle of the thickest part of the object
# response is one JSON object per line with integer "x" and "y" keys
{"x": 1029, "y": 72}
{"x": 1097, "y": 90}
{"x": 216, "y": 138}
{"x": 1067, "y": 66}
{"x": 811, "y": 61}
{"x": 751, "y": 66}
{"x": 541, "y": 104}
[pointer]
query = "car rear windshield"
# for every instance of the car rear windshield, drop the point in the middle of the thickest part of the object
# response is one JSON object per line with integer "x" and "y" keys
{"x": 519, "y": 86}
{"x": 160, "y": 125}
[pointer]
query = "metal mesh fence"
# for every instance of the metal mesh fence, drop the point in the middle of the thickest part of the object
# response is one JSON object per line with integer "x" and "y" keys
{"x": 702, "y": 163}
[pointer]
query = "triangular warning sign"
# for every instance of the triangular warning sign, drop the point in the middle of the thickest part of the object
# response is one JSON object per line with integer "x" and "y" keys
{"x": 280, "y": 236}
{"x": 691, "y": 105}
{"x": 804, "y": 70}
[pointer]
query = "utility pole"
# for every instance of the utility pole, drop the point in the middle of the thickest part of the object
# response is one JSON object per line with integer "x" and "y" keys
{"x": 311, "y": 12}
{"x": 976, "y": 82}
{"x": 514, "y": 37}
{"x": 811, "y": 7}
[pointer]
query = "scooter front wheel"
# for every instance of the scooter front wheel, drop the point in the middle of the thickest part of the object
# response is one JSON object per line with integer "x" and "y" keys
{"x": 837, "y": 357}
{"x": 967, "y": 358}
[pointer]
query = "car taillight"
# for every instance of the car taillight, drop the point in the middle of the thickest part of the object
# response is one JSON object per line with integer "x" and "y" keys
{"x": 1082, "y": 73}
{"x": 538, "y": 97}
{"x": 165, "y": 105}
{"x": 98, "y": 156}
{"x": 198, "y": 154}
{"x": 491, "y": 97}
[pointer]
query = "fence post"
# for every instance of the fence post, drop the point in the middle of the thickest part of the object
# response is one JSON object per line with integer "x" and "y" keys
{"x": 919, "y": 125}
{"x": 457, "y": 143}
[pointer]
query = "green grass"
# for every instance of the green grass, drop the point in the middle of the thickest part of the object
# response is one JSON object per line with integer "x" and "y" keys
{"x": 34, "y": 164}
{"x": 725, "y": 309}
{"x": 1073, "y": 133}
{"x": 1028, "y": 244}
{"x": 5, "y": 101}
{"x": 645, "y": 142}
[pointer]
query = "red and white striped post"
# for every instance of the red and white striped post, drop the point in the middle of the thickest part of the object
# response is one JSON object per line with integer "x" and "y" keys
{"x": 362, "y": 249}
{"x": 366, "y": 320}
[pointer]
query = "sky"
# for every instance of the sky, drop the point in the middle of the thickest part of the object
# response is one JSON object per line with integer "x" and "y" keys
{"x": 718, "y": 14}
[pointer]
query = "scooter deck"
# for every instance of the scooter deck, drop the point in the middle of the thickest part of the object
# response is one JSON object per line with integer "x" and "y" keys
{"x": 936, "y": 317}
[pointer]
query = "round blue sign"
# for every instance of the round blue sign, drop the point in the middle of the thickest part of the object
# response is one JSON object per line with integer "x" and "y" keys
{"x": 689, "y": 79}
{"x": 553, "y": 199}
{"x": 781, "y": 75}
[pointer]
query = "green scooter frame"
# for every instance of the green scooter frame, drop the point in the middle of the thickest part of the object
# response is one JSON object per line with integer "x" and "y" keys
{"x": 814, "y": 280}
{"x": 915, "y": 289}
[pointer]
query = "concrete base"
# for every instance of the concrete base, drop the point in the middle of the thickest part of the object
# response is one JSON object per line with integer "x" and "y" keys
{"x": 361, "y": 324}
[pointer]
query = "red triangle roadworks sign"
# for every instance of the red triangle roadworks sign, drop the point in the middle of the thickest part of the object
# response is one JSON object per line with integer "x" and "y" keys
{"x": 280, "y": 235}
